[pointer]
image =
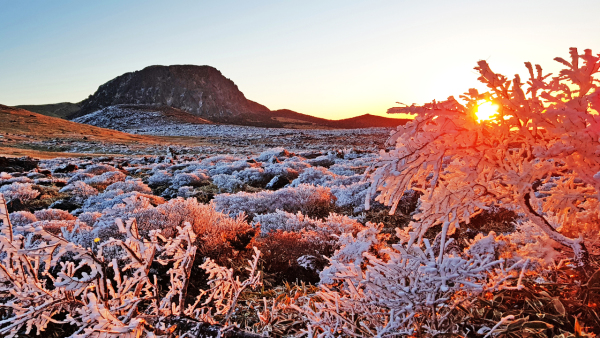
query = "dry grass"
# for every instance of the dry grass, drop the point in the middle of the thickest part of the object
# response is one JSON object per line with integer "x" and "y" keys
{"x": 20, "y": 127}
{"x": 37, "y": 126}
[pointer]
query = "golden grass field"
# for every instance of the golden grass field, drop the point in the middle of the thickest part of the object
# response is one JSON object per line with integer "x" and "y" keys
{"x": 19, "y": 127}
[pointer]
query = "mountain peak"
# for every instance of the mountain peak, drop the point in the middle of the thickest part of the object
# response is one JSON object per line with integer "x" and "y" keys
{"x": 199, "y": 90}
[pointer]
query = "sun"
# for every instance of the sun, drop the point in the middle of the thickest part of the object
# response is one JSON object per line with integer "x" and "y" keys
{"x": 486, "y": 111}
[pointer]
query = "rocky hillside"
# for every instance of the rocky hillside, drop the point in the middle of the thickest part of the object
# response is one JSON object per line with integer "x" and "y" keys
{"x": 199, "y": 90}
{"x": 125, "y": 117}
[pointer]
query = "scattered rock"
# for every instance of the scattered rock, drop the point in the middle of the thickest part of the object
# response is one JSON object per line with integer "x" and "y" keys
{"x": 35, "y": 175}
{"x": 45, "y": 172}
{"x": 321, "y": 161}
{"x": 277, "y": 182}
{"x": 13, "y": 164}
{"x": 67, "y": 168}
{"x": 16, "y": 205}
{"x": 64, "y": 205}
{"x": 310, "y": 154}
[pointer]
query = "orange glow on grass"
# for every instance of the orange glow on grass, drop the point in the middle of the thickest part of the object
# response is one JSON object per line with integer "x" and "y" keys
{"x": 486, "y": 111}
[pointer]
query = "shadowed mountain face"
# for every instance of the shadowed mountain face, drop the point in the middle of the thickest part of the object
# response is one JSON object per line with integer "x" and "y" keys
{"x": 61, "y": 110}
{"x": 199, "y": 90}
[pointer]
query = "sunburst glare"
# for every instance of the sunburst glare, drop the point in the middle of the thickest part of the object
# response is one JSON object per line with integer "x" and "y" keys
{"x": 486, "y": 111}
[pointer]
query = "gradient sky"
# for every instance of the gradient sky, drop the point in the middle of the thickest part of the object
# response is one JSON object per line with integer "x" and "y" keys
{"x": 332, "y": 59}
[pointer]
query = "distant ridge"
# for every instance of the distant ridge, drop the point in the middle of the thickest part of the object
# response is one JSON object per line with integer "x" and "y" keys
{"x": 188, "y": 94}
{"x": 61, "y": 110}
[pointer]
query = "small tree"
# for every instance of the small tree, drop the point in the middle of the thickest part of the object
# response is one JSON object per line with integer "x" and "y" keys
{"x": 539, "y": 155}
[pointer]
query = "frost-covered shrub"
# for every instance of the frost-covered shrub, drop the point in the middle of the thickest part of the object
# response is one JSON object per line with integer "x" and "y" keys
{"x": 19, "y": 179}
{"x": 256, "y": 177}
{"x": 128, "y": 205}
{"x": 218, "y": 234}
{"x": 314, "y": 176}
{"x": 323, "y": 161}
{"x": 529, "y": 242}
{"x": 50, "y": 180}
{"x": 434, "y": 154}
{"x": 98, "y": 169}
{"x": 288, "y": 169}
{"x": 281, "y": 220}
{"x": 334, "y": 224}
{"x": 345, "y": 169}
{"x": 290, "y": 239}
{"x": 89, "y": 218}
{"x": 80, "y": 191}
{"x": 186, "y": 192}
{"x": 22, "y": 191}
{"x": 189, "y": 179}
{"x": 106, "y": 179}
{"x": 109, "y": 199}
{"x": 156, "y": 167}
{"x": 53, "y": 215}
{"x": 324, "y": 177}
{"x": 130, "y": 185}
{"x": 214, "y": 160}
{"x": 79, "y": 177}
{"x": 351, "y": 196}
{"x": 227, "y": 183}
{"x": 55, "y": 226}
{"x": 308, "y": 199}
{"x": 161, "y": 177}
{"x": 22, "y": 218}
{"x": 400, "y": 289}
{"x": 268, "y": 155}
{"x": 78, "y": 292}
{"x": 228, "y": 169}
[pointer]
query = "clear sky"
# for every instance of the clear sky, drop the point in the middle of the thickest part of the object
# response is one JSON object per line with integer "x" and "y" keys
{"x": 332, "y": 59}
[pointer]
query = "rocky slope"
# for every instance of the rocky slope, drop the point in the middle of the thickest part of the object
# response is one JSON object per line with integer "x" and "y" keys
{"x": 125, "y": 117}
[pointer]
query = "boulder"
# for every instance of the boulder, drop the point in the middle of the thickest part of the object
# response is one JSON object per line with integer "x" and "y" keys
{"x": 13, "y": 164}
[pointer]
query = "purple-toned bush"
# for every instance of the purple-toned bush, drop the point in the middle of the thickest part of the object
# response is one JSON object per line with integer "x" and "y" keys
{"x": 106, "y": 179}
{"x": 334, "y": 224}
{"x": 109, "y": 199}
{"x": 99, "y": 169}
{"x": 308, "y": 199}
{"x": 80, "y": 191}
{"x": 79, "y": 177}
{"x": 89, "y": 218}
{"x": 188, "y": 179}
{"x": 227, "y": 183}
{"x": 351, "y": 196}
{"x": 161, "y": 177}
{"x": 130, "y": 185}
{"x": 22, "y": 191}
{"x": 268, "y": 155}
{"x": 53, "y": 215}
{"x": 19, "y": 179}
{"x": 253, "y": 176}
{"x": 228, "y": 168}
{"x": 22, "y": 218}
